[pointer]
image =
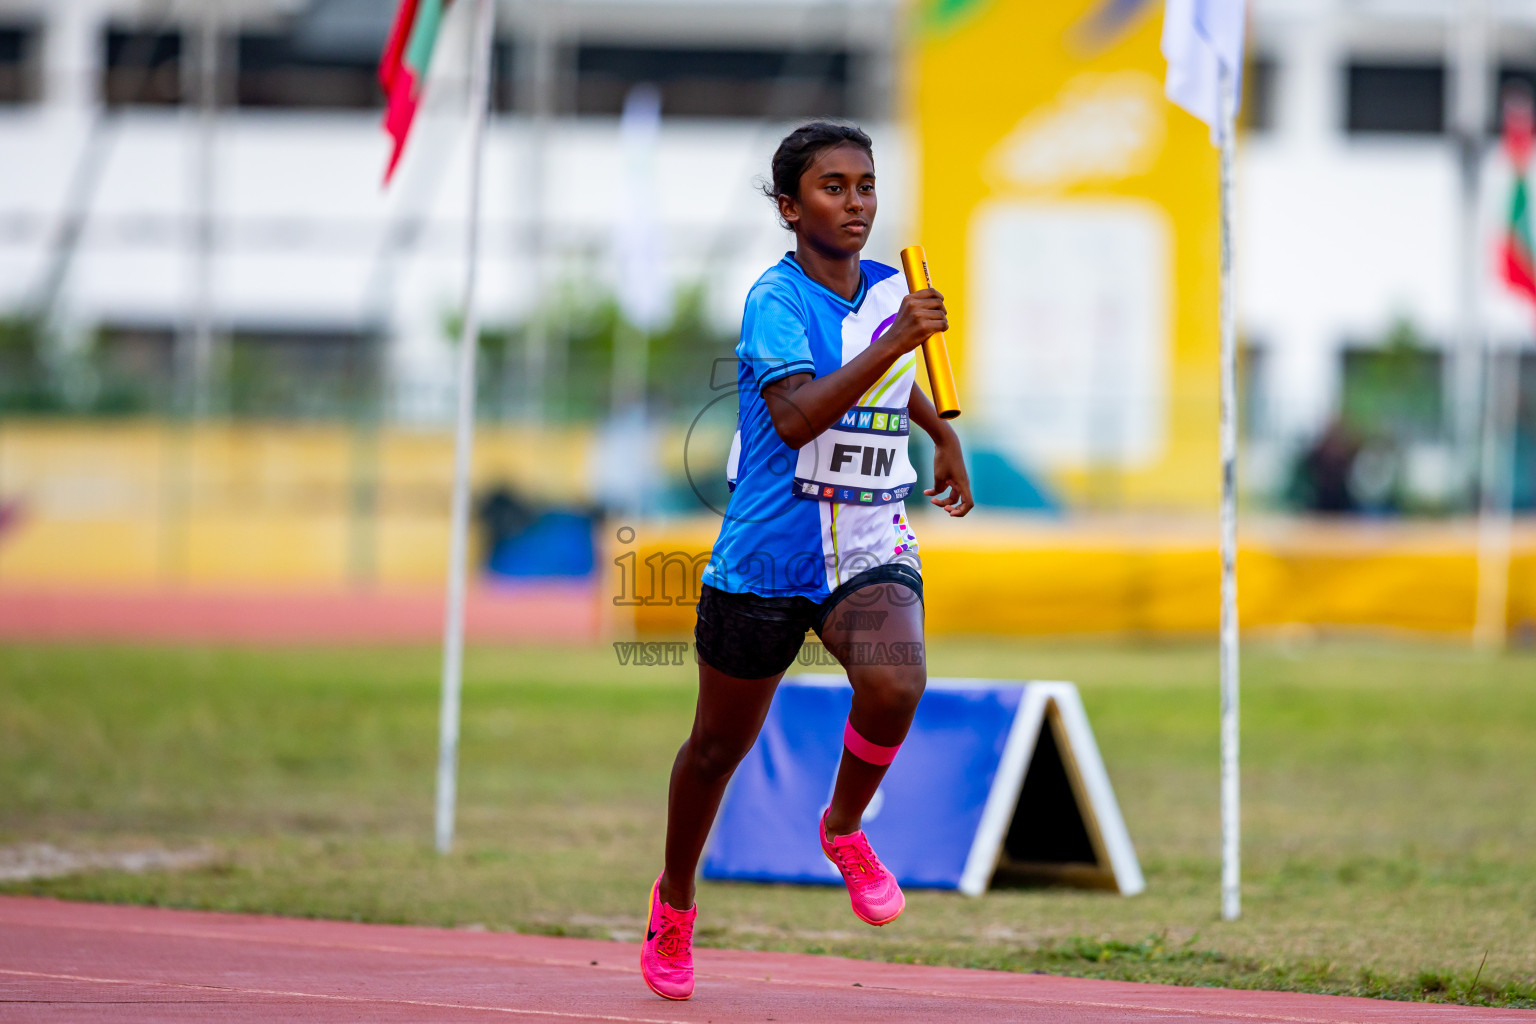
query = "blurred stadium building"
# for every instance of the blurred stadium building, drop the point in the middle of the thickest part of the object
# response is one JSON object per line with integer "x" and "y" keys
{"x": 314, "y": 265}
{"x": 192, "y": 229}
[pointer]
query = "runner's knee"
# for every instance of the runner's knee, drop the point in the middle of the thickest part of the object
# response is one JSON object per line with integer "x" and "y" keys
{"x": 713, "y": 756}
{"x": 891, "y": 689}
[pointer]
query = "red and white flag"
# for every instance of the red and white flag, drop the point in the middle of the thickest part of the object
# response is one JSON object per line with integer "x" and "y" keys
{"x": 1517, "y": 263}
{"x": 403, "y": 68}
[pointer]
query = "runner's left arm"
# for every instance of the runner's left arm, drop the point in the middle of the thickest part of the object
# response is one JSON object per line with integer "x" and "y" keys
{"x": 948, "y": 460}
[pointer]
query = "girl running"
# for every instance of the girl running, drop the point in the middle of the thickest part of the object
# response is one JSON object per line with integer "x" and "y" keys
{"x": 816, "y": 527}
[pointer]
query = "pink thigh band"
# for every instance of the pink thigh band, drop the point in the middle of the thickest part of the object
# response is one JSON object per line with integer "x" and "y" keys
{"x": 864, "y": 750}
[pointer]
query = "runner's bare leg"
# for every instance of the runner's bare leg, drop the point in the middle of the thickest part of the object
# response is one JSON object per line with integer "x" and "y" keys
{"x": 726, "y": 721}
{"x": 885, "y": 694}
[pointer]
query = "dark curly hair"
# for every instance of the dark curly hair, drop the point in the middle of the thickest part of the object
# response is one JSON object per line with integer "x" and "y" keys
{"x": 801, "y": 146}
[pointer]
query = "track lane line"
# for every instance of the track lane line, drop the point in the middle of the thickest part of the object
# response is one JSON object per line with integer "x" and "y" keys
{"x": 434, "y": 1004}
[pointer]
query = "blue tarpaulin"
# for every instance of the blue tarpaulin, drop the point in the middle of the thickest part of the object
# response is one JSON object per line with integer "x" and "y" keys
{"x": 922, "y": 821}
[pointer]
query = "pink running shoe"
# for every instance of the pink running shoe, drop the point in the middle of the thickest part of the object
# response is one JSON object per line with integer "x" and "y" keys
{"x": 666, "y": 957}
{"x": 872, "y": 889}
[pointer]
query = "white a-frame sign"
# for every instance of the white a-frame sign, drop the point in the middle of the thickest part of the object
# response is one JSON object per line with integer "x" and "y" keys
{"x": 1051, "y": 815}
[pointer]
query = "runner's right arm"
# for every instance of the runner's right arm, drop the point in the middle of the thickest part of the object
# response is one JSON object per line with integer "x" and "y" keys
{"x": 802, "y": 406}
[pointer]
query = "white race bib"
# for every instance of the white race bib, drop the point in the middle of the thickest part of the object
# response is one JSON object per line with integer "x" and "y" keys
{"x": 860, "y": 460}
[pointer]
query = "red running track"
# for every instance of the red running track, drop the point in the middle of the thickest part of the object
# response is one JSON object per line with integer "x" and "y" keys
{"x": 552, "y": 612}
{"x": 86, "y": 963}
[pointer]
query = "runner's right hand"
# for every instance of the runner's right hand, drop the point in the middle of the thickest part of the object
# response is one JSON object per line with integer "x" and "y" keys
{"x": 921, "y": 314}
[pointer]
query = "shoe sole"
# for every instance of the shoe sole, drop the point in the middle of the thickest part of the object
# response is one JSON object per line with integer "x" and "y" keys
{"x": 879, "y": 924}
{"x": 653, "y": 988}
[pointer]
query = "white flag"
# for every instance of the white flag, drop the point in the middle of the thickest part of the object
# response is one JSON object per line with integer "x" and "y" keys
{"x": 1200, "y": 38}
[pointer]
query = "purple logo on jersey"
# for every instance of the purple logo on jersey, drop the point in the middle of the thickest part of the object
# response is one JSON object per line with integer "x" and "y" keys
{"x": 881, "y": 329}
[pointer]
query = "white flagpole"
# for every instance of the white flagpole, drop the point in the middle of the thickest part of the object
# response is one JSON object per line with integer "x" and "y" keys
{"x": 1501, "y": 407}
{"x": 464, "y": 440}
{"x": 1501, "y": 397}
{"x": 1231, "y": 846}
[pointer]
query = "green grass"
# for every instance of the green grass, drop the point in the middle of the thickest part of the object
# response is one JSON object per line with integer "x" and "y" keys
{"x": 1389, "y": 805}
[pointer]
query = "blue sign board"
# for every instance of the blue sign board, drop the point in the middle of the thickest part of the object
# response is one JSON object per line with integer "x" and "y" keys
{"x": 938, "y": 819}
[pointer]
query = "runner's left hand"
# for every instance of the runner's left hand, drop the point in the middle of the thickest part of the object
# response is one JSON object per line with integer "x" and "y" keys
{"x": 949, "y": 475}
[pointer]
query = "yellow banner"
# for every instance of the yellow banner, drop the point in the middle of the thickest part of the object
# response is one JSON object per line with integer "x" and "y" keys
{"x": 1070, "y": 214}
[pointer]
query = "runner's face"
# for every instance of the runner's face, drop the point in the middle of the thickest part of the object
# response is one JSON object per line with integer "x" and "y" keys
{"x": 836, "y": 207}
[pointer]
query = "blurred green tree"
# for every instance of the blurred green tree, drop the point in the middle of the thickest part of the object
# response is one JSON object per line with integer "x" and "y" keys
{"x": 1394, "y": 392}
{"x": 580, "y": 330}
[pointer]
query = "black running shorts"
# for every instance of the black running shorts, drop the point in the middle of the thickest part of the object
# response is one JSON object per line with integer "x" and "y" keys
{"x": 753, "y": 637}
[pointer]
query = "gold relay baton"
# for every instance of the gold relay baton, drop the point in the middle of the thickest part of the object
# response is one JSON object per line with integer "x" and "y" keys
{"x": 935, "y": 353}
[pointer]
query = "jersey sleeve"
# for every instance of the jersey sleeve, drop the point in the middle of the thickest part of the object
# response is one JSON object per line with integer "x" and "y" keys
{"x": 774, "y": 341}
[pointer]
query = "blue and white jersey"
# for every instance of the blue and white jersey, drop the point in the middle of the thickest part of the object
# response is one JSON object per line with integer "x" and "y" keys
{"x": 804, "y": 522}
